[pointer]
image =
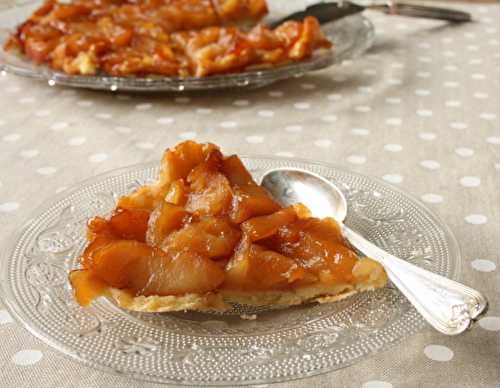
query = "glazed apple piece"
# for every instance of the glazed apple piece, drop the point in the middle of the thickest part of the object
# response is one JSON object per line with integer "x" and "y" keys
{"x": 177, "y": 193}
{"x": 255, "y": 268}
{"x": 210, "y": 191}
{"x": 164, "y": 220}
{"x": 147, "y": 270}
{"x": 236, "y": 172}
{"x": 251, "y": 201}
{"x": 129, "y": 224}
{"x": 211, "y": 237}
{"x": 318, "y": 246}
{"x": 87, "y": 287}
{"x": 262, "y": 227}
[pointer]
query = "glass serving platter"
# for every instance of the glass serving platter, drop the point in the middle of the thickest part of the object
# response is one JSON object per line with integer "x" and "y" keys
{"x": 352, "y": 36}
{"x": 214, "y": 348}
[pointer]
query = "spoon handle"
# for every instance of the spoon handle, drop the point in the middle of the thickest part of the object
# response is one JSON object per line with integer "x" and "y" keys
{"x": 450, "y": 307}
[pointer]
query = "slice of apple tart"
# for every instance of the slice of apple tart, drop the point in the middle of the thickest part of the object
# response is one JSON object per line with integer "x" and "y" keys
{"x": 205, "y": 234}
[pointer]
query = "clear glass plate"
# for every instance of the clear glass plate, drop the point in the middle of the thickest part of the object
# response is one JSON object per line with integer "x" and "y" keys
{"x": 352, "y": 36}
{"x": 218, "y": 349}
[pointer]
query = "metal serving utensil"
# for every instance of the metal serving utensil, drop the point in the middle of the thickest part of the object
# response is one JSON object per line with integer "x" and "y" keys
{"x": 330, "y": 11}
{"x": 448, "y": 306}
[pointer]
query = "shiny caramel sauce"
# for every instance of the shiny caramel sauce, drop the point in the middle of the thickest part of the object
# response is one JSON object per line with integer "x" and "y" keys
{"x": 206, "y": 226}
{"x": 163, "y": 37}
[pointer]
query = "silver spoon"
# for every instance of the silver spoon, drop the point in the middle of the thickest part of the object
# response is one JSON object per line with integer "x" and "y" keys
{"x": 450, "y": 307}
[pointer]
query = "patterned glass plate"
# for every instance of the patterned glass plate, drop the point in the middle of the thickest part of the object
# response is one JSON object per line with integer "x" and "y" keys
{"x": 215, "y": 348}
{"x": 352, "y": 36}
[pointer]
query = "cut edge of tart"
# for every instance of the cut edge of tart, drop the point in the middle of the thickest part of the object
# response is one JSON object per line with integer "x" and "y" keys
{"x": 205, "y": 235}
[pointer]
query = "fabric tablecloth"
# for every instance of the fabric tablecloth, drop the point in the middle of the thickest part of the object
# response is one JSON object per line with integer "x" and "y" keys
{"x": 420, "y": 110}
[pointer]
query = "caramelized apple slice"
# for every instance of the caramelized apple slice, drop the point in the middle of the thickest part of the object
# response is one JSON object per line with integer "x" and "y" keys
{"x": 258, "y": 228}
{"x": 211, "y": 237}
{"x": 129, "y": 224}
{"x": 177, "y": 193}
{"x": 236, "y": 172}
{"x": 255, "y": 268}
{"x": 250, "y": 201}
{"x": 143, "y": 198}
{"x": 164, "y": 220}
{"x": 87, "y": 287}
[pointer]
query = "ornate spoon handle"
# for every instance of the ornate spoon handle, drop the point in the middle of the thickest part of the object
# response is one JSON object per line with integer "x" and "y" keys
{"x": 450, "y": 307}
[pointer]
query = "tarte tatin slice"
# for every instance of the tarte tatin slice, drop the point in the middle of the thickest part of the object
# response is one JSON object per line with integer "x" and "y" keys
{"x": 205, "y": 234}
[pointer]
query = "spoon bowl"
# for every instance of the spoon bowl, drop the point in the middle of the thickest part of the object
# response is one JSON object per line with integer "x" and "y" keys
{"x": 450, "y": 307}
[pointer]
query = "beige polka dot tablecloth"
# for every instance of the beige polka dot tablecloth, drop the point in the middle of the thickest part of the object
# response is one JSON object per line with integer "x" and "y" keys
{"x": 420, "y": 110}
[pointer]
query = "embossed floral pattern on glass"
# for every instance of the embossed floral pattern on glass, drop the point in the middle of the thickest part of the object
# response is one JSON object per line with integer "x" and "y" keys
{"x": 202, "y": 348}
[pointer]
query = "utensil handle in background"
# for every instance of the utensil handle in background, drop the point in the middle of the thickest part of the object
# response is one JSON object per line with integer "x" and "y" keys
{"x": 448, "y": 306}
{"x": 423, "y": 11}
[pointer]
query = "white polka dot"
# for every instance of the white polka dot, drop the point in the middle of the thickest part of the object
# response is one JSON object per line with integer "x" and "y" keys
{"x": 302, "y": 105}
{"x": 265, "y": 113}
{"x": 255, "y": 139}
{"x": 293, "y": 128}
{"x": 123, "y": 130}
{"x": 488, "y": 116}
{"x": 334, "y": 97}
{"x": 329, "y": 118}
{"x": 464, "y": 152}
{"x": 422, "y": 92}
{"x": 393, "y": 178}
{"x": 360, "y": 131}
{"x": 42, "y": 113}
{"x": 104, "y": 116}
{"x": 85, "y": 103}
{"x": 470, "y": 181}
{"x": 61, "y": 189}
{"x": 424, "y": 113}
{"x": 323, "y": 143}
{"x": 453, "y": 104}
{"x": 490, "y": 323}
{"x": 27, "y": 100}
{"x": 478, "y": 76}
{"x": 476, "y": 219}
{"x": 370, "y": 71}
{"x": 438, "y": 353}
{"x": 430, "y": 164}
{"x": 483, "y": 265}
{"x": 365, "y": 89}
{"x": 307, "y": 86}
{"x": 5, "y": 317}
{"x": 47, "y": 170}
{"x": 451, "y": 84}
{"x": 241, "y": 103}
{"x": 423, "y": 74}
{"x": 276, "y": 93}
{"x": 98, "y": 158}
{"x": 397, "y": 65}
{"x": 476, "y": 61}
{"x": 424, "y": 45}
{"x": 8, "y": 207}
{"x": 202, "y": 111}
{"x": 144, "y": 106}
{"x": 449, "y": 53}
{"x": 165, "y": 120}
{"x": 393, "y": 100}
{"x": 427, "y": 136}
{"x": 285, "y": 154}
{"x": 450, "y": 68}
{"x": 356, "y": 159}
{"x": 394, "y": 81}
{"x": 393, "y": 147}
{"x": 424, "y": 59}
{"x": 58, "y": 126}
{"x": 27, "y": 357}
{"x": 12, "y": 137}
{"x": 28, "y": 154}
{"x": 393, "y": 121}
{"x": 144, "y": 145}
{"x": 377, "y": 384}
{"x": 229, "y": 124}
{"x": 362, "y": 108}
{"x": 493, "y": 140}
{"x": 401, "y": 26}
{"x": 432, "y": 198}
{"x": 182, "y": 100}
{"x": 497, "y": 166}
{"x": 480, "y": 95}
{"x": 187, "y": 135}
{"x": 13, "y": 89}
{"x": 77, "y": 141}
{"x": 458, "y": 125}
